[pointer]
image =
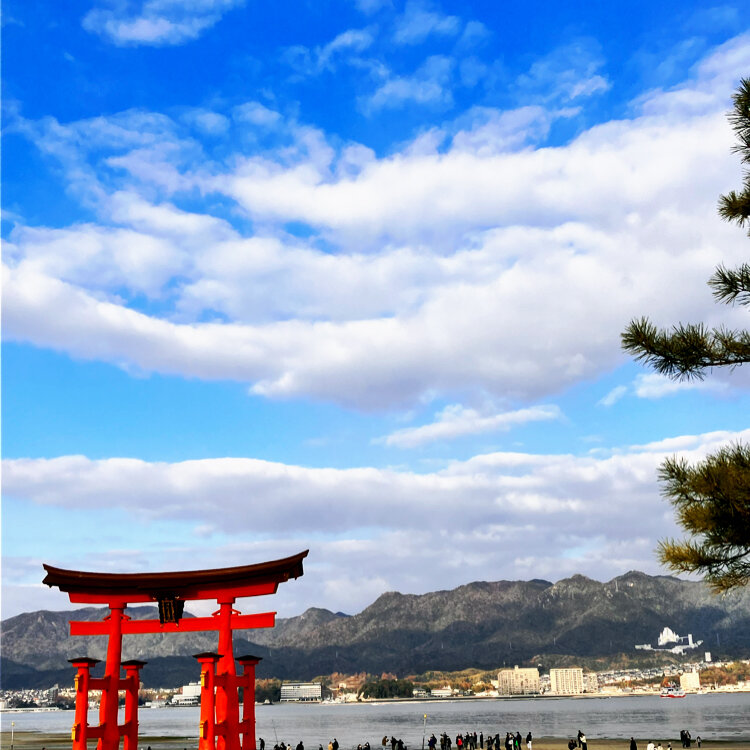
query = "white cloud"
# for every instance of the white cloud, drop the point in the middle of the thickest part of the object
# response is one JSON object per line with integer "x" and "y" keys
{"x": 345, "y": 47}
{"x": 429, "y": 85}
{"x": 456, "y": 421}
{"x": 417, "y": 22}
{"x": 263, "y": 510}
{"x": 466, "y": 261}
{"x": 652, "y": 385}
{"x": 565, "y": 74}
{"x": 613, "y": 396}
{"x": 156, "y": 22}
{"x": 211, "y": 123}
{"x": 256, "y": 114}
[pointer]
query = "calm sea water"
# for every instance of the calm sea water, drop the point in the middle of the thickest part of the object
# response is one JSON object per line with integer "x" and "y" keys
{"x": 713, "y": 717}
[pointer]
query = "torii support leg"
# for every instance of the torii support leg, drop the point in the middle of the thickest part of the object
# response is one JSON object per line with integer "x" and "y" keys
{"x": 110, "y": 733}
{"x": 207, "y": 729}
{"x": 132, "y": 684}
{"x": 247, "y": 682}
{"x": 80, "y": 731}
{"x": 227, "y": 701}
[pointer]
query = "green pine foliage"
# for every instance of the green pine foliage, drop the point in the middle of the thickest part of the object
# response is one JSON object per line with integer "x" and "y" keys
{"x": 736, "y": 206}
{"x": 712, "y": 498}
{"x": 712, "y": 503}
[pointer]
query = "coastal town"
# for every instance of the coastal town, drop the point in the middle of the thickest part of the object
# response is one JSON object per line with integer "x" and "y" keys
{"x": 698, "y": 677}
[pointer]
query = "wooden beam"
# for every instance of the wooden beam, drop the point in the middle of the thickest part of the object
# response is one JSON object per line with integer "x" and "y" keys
{"x": 186, "y": 625}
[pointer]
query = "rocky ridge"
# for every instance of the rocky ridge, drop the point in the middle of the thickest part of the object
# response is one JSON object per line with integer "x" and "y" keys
{"x": 481, "y": 624}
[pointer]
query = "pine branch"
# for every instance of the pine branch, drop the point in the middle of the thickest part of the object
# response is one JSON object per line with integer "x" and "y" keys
{"x": 731, "y": 285}
{"x": 736, "y": 206}
{"x": 687, "y": 350}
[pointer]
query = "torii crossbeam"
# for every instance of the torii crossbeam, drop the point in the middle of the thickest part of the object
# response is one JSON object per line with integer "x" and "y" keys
{"x": 220, "y": 723}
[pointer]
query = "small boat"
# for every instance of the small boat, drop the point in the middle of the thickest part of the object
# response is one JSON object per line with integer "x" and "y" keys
{"x": 672, "y": 691}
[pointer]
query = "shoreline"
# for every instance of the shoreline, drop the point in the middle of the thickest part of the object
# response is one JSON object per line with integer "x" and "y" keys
{"x": 32, "y": 740}
{"x": 428, "y": 700}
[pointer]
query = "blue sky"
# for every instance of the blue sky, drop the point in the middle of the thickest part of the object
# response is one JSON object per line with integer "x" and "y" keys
{"x": 351, "y": 275}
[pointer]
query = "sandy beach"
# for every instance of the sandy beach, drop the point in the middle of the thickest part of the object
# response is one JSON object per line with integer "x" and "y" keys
{"x": 39, "y": 740}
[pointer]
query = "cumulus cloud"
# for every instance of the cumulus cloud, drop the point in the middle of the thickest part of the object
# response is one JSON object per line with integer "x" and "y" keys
{"x": 456, "y": 420}
{"x": 155, "y": 22}
{"x": 514, "y": 514}
{"x": 471, "y": 259}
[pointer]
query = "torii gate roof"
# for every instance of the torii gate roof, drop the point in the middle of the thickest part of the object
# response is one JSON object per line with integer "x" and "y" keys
{"x": 246, "y": 580}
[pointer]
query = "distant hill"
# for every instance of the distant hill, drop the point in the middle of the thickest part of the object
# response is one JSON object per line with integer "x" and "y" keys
{"x": 482, "y": 625}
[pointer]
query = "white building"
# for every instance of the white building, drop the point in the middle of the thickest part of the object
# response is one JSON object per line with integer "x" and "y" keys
{"x": 690, "y": 681}
{"x": 668, "y": 640}
{"x": 590, "y": 682}
{"x": 518, "y": 681}
{"x": 189, "y": 695}
{"x": 301, "y": 691}
{"x": 444, "y": 692}
{"x": 566, "y": 681}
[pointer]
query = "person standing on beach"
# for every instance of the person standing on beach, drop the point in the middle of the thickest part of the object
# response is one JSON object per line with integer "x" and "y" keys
{"x": 633, "y": 744}
{"x": 650, "y": 745}
{"x": 582, "y": 741}
{"x": 698, "y": 740}
{"x": 262, "y": 743}
{"x": 528, "y": 741}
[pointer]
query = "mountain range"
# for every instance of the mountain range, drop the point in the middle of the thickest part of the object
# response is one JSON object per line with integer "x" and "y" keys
{"x": 484, "y": 625}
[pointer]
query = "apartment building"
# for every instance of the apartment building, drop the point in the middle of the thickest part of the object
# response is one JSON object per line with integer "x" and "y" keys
{"x": 518, "y": 681}
{"x": 566, "y": 681}
{"x": 301, "y": 692}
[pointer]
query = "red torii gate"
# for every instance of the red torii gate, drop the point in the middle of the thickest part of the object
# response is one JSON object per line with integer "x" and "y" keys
{"x": 220, "y": 724}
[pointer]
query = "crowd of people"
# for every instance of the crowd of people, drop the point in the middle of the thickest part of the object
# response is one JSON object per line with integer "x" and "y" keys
{"x": 685, "y": 738}
{"x": 480, "y": 741}
{"x": 474, "y": 741}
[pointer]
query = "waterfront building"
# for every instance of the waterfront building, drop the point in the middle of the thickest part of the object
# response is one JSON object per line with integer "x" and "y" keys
{"x": 444, "y": 692}
{"x": 518, "y": 681}
{"x": 690, "y": 681}
{"x": 301, "y": 692}
{"x": 566, "y": 681}
{"x": 189, "y": 695}
{"x": 590, "y": 682}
